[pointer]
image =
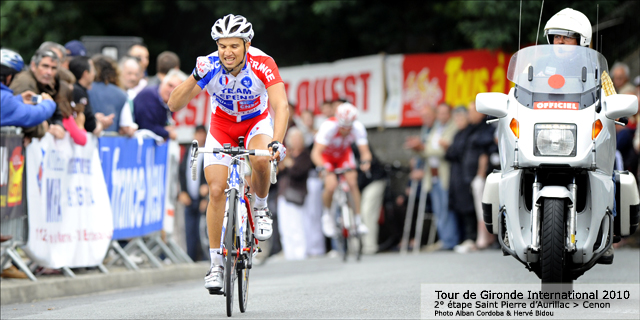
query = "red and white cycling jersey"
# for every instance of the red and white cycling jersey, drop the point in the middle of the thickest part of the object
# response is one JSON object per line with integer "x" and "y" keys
{"x": 338, "y": 145}
{"x": 241, "y": 97}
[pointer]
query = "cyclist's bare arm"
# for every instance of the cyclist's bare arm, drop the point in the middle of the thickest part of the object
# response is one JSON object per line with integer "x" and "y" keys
{"x": 365, "y": 157}
{"x": 280, "y": 104}
{"x": 183, "y": 93}
{"x": 316, "y": 154}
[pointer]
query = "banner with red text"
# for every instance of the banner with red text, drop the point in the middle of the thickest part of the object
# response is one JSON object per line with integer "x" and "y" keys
{"x": 11, "y": 176}
{"x": 416, "y": 80}
{"x": 70, "y": 217}
{"x": 359, "y": 80}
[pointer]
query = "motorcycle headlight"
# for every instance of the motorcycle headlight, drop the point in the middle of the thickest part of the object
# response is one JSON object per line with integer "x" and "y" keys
{"x": 554, "y": 139}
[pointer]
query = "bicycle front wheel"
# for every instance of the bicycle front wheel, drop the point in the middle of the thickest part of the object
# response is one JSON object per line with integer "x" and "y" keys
{"x": 243, "y": 268}
{"x": 231, "y": 246}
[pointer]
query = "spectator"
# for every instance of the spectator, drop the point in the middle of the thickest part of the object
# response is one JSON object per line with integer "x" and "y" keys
{"x": 416, "y": 144}
{"x": 42, "y": 76}
{"x": 437, "y": 174}
{"x": 476, "y": 162}
{"x": 166, "y": 61}
{"x": 20, "y": 110}
{"x": 141, "y": 53}
{"x": 327, "y": 110}
{"x": 194, "y": 196}
{"x": 294, "y": 170}
{"x": 460, "y": 197}
{"x": 63, "y": 66}
{"x": 75, "y": 48}
{"x": 104, "y": 95}
{"x": 307, "y": 126}
{"x": 620, "y": 77}
{"x": 83, "y": 69}
{"x": 130, "y": 75}
{"x": 150, "y": 108}
{"x": 372, "y": 186}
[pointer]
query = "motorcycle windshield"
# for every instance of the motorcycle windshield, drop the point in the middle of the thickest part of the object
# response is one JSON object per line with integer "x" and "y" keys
{"x": 557, "y": 69}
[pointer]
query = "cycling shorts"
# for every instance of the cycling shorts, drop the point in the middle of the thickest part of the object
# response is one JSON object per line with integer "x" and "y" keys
{"x": 222, "y": 130}
{"x": 346, "y": 160}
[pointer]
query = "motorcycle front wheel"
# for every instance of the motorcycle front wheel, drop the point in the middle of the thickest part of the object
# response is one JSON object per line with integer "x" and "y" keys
{"x": 553, "y": 265}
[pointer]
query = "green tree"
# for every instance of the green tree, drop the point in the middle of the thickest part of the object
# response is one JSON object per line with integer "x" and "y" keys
{"x": 297, "y": 32}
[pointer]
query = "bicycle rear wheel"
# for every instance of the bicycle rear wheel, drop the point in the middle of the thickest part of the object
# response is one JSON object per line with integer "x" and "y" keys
{"x": 243, "y": 268}
{"x": 231, "y": 246}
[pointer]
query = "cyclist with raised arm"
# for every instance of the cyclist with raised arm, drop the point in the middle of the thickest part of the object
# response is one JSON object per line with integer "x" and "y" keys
{"x": 241, "y": 80}
{"x": 331, "y": 151}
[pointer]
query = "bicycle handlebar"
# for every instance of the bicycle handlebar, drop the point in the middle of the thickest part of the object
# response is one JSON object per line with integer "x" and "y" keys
{"x": 234, "y": 152}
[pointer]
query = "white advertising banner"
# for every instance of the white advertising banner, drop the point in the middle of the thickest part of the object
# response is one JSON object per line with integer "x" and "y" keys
{"x": 70, "y": 217}
{"x": 393, "y": 80}
{"x": 359, "y": 80}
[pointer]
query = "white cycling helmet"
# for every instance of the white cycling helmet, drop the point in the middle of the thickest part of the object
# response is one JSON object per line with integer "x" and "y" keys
{"x": 346, "y": 114}
{"x": 570, "y": 23}
{"x": 232, "y": 26}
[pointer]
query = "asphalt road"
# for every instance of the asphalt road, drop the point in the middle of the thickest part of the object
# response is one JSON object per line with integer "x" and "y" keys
{"x": 380, "y": 286}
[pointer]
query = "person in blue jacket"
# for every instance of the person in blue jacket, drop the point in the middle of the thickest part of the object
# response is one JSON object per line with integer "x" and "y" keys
{"x": 19, "y": 110}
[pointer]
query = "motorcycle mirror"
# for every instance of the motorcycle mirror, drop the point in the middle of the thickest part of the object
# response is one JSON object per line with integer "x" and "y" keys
{"x": 492, "y": 103}
{"x": 620, "y": 105}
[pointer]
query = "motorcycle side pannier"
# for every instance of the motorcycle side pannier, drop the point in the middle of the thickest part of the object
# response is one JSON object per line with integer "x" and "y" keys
{"x": 627, "y": 204}
{"x": 491, "y": 201}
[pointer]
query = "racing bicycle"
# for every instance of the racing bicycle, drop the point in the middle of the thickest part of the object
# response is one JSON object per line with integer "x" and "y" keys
{"x": 237, "y": 242}
{"x": 347, "y": 235}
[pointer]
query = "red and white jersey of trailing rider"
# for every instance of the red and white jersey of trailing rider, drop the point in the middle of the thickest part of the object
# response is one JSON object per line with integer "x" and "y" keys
{"x": 329, "y": 135}
{"x": 244, "y": 96}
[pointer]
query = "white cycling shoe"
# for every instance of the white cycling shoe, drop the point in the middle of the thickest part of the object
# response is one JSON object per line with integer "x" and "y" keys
{"x": 213, "y": 279}
{"x": 264, "y": 227}
{"x": 328, "y": 226}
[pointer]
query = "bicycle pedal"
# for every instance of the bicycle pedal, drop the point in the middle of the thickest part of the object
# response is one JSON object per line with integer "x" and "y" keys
{"x": 216, "y": 292}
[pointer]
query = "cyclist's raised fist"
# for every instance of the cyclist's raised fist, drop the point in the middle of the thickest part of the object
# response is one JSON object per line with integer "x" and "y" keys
{"x": 203, "y": 66}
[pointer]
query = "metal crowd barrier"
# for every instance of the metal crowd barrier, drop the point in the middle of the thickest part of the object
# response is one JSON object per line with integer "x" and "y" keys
{"x": 152, "y": 245}
{"x": 13, "y": 216}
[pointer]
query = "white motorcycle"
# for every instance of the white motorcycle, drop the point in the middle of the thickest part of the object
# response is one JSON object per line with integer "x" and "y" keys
{"x": 552, "y": 204}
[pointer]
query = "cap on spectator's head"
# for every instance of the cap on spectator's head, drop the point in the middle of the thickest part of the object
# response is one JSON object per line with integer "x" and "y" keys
{"x": 636, "y": 81}
{"x": 75, "y": 48}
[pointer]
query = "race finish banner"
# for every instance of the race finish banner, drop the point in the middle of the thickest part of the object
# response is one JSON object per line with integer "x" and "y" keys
{"x": 359, "y": 80}
{"x": 416, "y": 80}
{"x": 135, "y": 175}
{"x": 11, "y": 176}
{"x": 70, "y": 222}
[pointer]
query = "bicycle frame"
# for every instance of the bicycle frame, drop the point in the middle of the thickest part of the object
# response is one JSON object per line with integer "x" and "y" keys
{"x": 235, "y": 181}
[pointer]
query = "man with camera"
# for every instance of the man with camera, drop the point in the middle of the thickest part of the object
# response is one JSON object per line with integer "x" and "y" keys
{"x": 26, "y": 109}
{"x": 42, "y": 77}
